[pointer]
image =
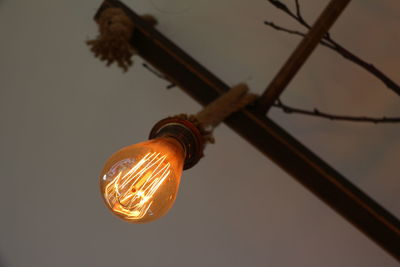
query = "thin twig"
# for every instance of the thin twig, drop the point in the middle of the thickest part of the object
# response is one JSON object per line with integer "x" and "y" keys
{"x": 298, "y": 11}
{"x": 316, "y": 113}
{"x": 300, "y": 16}
{"x": 332, "y": 44}
{"x": 159, "y": 75}
{"x": 280, "y": 28}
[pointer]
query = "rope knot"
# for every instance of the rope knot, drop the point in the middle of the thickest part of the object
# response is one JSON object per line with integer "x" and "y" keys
{"x": 113, "y": 42}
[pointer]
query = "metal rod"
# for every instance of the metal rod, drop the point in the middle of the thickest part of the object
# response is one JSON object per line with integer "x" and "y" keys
{"x": 301, "y": 54}
{"x": 270, "y": 139}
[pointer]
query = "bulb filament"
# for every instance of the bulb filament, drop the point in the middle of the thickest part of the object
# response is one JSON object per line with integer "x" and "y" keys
{"x": 131, "y": 191}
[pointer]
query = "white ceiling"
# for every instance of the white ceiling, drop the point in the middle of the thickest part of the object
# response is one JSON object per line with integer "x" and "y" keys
{"x": 63, "y": 113}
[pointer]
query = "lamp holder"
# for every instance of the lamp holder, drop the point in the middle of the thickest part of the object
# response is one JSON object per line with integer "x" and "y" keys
{"x": 186, "y": 132}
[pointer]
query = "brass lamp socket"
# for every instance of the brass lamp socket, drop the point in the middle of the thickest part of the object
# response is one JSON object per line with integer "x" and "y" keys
{"x": 186, "y": 132}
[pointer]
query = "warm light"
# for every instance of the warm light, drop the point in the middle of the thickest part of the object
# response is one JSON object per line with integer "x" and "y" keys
{"x": 139, "y": 183}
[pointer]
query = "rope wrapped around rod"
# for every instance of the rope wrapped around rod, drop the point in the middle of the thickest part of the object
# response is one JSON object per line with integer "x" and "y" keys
{"x": 233, "y": 100}
{"x": 212, "y": 115}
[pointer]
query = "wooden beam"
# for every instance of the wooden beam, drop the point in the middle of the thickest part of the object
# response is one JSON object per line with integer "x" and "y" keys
{"x": 265, "y": 135}
{"x": 301, "y": 53}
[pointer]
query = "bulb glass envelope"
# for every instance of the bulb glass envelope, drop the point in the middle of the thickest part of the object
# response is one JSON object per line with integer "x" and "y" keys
{"x": 139, "y": 183}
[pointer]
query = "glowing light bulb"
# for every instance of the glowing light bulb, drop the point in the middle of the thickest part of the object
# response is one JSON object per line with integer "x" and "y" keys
{"x": 139, "y": 183}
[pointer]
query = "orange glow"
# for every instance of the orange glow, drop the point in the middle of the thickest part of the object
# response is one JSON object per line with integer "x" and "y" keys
{"x": 139, "y": 183}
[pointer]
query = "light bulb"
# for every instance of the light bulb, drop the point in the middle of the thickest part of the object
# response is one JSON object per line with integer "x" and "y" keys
{"x": 139, "y": 183}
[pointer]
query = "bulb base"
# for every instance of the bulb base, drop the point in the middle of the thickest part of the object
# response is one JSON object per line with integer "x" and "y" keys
{"x": 186, "y": 132}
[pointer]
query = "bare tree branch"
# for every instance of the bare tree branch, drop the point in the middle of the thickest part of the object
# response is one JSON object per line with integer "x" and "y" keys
{"x": 298, "y": 11}
{"x": 316, "y": 113}
{"x": 280, "y": 28}
{"x": 300, "y": 18}
{"x": 332, "y": 44}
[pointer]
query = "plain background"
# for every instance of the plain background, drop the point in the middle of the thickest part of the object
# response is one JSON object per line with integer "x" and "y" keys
{"x": 62, "y": 113}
